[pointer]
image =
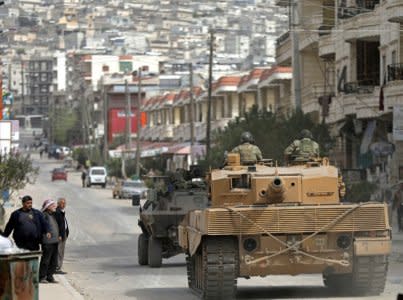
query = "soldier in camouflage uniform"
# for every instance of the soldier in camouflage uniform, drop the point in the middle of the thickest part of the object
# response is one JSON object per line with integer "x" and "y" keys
{"x": 249, "y": 153}
{"x": 305, "y": 149}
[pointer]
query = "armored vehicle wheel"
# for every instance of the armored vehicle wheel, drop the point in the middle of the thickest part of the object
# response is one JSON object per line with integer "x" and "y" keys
{"x": 154, "y": 252}
{"x": 368, "y": 277}
{"x": 142, "y": 250}
{"x": 215, "y": 268}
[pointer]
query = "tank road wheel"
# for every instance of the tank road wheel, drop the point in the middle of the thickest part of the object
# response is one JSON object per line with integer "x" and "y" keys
{"x": 142, "y": 249}
{"x": 220, "y": 268}
{"x": 369, "y": 275}
{"x": 154, "y": 253}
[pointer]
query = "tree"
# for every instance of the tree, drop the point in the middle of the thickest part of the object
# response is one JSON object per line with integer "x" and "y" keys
{"x": 16, "y": 171}
{"x": 272, "y": 133}
{"x": 65, "y": 127}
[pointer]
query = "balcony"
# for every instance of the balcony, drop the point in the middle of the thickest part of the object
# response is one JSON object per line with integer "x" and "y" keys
{"x": 182, "y": 132}
{"x": 364, "y": 86}
{"x": 363, "y": 6}
{"x": 310, "y": 35}
{"x": 327, "y": 48}
{"x": 395, "y": 72}
{"x": 362, "y": 105}
{"x": 310, "y": 96}
{"x": 220, "y": 124}
{"x": 200, "y": 131}
{"x": 366, "y": 26}
{"x": 393, "y": 91}
{"x": 283, "y": 49}
{"x": 394, "y": 11}
{"x": 165, "y": 132}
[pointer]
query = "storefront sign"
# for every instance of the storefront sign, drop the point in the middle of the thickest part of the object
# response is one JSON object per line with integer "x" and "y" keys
{"x": 398, "y": 122}
{"x": 5, "y": 136}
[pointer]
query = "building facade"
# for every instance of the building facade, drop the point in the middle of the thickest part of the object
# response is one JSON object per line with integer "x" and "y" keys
{"x": 350, "y": 56}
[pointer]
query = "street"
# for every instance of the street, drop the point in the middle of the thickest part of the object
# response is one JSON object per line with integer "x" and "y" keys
{"x": 101, "y": 252}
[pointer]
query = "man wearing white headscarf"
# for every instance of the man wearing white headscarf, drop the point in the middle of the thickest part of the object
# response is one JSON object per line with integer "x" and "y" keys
{"x": 49, "y": 245}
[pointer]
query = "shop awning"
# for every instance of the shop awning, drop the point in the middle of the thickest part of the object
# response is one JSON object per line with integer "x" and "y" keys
{"x": 367, "y": 137}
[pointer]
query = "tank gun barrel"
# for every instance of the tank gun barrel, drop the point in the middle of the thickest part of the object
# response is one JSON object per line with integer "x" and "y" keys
{"x": 276, "y": 190}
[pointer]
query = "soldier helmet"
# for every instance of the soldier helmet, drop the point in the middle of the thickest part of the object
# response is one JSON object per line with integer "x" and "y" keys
{"x": 306, "y": 134}
{"x": 247, "y": 137}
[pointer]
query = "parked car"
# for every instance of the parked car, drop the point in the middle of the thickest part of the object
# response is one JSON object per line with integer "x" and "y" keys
{"x": 59, "y": 174}
{"x": 96, "y": 176}
{"x": 66, "y": 151}
{"x": 68, "y": 163}
{"x": 134, "y": 187}
{"x": 117, "y": 190}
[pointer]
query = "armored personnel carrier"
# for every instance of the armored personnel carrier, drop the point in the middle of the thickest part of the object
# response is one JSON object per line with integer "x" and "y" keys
{"x": 267, "y": 220}
{"x": 168, "y": 201}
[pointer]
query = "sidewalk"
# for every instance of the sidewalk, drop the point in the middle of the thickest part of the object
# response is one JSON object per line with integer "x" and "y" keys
{"x": 60, "y": 291}
{"x": 47, "y": 291}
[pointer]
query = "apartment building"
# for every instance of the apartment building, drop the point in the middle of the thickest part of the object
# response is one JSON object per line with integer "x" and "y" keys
{"x": 351, "y": 75}
{"x": 39, "y": 76}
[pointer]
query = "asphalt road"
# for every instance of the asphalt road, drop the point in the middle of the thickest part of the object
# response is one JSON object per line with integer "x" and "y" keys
{"x": 101, "y": 252}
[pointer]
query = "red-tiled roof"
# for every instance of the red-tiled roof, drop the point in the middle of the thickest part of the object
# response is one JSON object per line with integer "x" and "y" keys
{"x": 226, "y": 81}
{"x": 254, "y": 74}
{"x": 86, "y": 57}
{"x": 125, "y": 57}
{"x": 170, "y": 97}
{"x": 197, "y": 91}
{"x": 277, "y": 69}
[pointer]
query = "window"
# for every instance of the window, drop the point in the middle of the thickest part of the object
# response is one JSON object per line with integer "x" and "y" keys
{"x": 394, "y": 57}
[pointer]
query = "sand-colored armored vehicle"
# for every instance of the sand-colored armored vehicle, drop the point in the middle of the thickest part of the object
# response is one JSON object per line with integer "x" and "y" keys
{"x": 167, "y": 204}
{"x": 268, "y": 220}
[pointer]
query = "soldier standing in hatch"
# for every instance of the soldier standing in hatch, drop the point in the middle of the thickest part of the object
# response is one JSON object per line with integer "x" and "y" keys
{"x": 304, "y": 149}
{"x": 249, "y": 153}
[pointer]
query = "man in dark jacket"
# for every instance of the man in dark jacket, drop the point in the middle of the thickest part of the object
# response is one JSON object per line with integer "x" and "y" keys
{"x": 63, "y": 231}
{"x": 28, "y": 226}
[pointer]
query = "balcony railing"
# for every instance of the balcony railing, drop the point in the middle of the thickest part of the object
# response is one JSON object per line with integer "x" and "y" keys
{"x": 362, "y": 6}
{"x": 325, "y": 30}
{"x": 282, "y": 38}
{"x": 365, "y": 86}
{"x": 395, "y": 72}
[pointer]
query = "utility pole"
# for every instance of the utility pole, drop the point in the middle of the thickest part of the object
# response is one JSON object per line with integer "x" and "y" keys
{"x": 296, "y": 70}
{"x": 139, "y": 104}
{"x": 105, "y": 104}
{"x": 22, "y": 87}
{"x": 128, "y": 116}
{"x": 191, "y": 114}
{"x": 210, "y": 83}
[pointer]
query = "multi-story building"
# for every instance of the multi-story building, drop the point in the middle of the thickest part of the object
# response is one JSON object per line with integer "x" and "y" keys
{"x": 39, "y": 76}
{"x": 169, "y": 115}
{"x": 351, "y": 76}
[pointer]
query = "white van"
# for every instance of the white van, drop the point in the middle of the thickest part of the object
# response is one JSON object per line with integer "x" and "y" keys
{"x": 96, "y": 176}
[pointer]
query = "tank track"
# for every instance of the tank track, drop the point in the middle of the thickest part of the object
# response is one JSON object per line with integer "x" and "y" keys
{"x": 213, "y": 270}
{"x": 368, "y": 277}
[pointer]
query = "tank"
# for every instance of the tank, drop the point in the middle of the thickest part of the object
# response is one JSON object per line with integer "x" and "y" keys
{"x": 168, "y": 201}
{"x": 267, "y": 220}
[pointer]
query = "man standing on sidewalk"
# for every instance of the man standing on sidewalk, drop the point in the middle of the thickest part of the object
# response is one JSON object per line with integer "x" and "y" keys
{"x": 48, "y": 263}
{"x": 63, "y": 231}
{"x": 28, "y": 225}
